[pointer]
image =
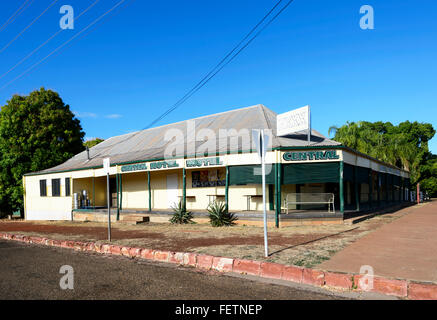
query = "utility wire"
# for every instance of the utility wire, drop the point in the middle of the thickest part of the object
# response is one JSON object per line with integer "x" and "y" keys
{"x": 24, "y": 30}
{"x": 62, "y": 45}
{"x": 219, "y": 66}
{"x": 199, "y": 84}
{"x": 45, "y": 42}
{"x": 222, "y": 63}
{"x": 15, "y": 15}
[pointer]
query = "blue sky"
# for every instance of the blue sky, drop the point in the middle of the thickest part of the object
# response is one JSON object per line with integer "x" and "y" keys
{"x": 147, "y": 54}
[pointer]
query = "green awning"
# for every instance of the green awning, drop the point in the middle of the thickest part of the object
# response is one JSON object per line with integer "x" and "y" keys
{"x": 241, "y": 175}
{"x": 300, "y": 173}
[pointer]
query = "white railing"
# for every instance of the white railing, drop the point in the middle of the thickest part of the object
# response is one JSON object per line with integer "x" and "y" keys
{"x": 309, "y": 198}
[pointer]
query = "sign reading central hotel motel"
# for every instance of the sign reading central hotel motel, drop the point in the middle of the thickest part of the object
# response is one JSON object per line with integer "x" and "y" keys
{"x": 191, "y": 163}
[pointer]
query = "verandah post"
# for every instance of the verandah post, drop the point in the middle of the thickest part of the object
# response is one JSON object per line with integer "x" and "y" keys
{"x": 341, "y": 191}
{"x": 117, "y": 188}
{"x": 150, "y": 191}
{"x": 227, "y": 188}
{"x": 184, "y": 188}
{"x": 278, "y": 193}
{"x": 121, "y": 191}
{"x": 94, "y": 192}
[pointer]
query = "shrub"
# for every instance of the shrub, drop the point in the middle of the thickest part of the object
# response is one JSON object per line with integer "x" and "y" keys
{"x": 181, "y": 215}
{"x": 219, "y": 215}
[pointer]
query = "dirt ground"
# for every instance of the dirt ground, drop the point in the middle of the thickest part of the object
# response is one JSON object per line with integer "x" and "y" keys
{"x": 299, "y": 245}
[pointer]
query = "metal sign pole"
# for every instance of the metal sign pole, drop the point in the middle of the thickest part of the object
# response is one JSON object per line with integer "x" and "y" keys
{"x": 106, "y": 168}
{"x": 109, "y": 207}
{"x": 263, "y": 170}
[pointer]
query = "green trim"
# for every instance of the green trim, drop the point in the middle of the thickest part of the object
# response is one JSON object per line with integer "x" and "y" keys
{"x": 307, "y": 148}
{"x": 225, "y": 153}
{"x": 344, "y": 148}
{"x": 83, "y": 210}
{"x": 341, "y": 191}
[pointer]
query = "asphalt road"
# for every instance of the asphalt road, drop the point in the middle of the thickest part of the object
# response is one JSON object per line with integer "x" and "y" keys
{"x": 33, "y": 272}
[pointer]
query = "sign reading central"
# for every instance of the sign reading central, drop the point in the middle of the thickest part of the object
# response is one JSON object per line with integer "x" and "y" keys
{"x": 311, "y": 155}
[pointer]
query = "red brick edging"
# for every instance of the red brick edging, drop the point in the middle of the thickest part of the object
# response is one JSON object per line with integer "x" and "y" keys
{"x": 345, "y": 281}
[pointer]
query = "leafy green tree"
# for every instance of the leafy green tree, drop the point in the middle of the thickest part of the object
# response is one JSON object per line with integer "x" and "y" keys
{"x": 93, "y": 142}
{"x": 37, "y": 132}
{"x": 404, "y": 145}
{"x": 428, "y": 175}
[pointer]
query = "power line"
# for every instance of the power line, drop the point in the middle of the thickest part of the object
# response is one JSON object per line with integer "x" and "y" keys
{"x": 180, "y": 101}
{"x": 15, "y": 15}
{"x": 45, "y": 42}
{"x": 220, "y": 65}
{"x": 65, "y": 43}
{"x": 223, "y": 63}
{"x": 24, "y": 30}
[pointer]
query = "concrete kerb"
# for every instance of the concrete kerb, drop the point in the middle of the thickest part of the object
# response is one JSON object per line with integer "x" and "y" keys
{"x": 320, "y": 278}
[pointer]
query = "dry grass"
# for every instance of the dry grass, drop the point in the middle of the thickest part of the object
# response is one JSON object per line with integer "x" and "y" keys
{"x": 299, "y": 245}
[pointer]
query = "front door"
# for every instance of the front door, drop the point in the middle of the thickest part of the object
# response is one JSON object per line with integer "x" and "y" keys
{"x": 172, "y": 190}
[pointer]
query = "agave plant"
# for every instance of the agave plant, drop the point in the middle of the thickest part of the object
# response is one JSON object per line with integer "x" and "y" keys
{"x": 181, "y": 215}
{"x": 219, "y": 215}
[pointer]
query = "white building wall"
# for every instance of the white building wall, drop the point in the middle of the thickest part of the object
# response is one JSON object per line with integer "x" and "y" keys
{"x": 49, "y": 207}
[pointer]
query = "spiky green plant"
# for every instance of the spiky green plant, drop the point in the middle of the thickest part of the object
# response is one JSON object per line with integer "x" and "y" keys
{"x": 219, "y": 215}
{"x": 181, "y": 215}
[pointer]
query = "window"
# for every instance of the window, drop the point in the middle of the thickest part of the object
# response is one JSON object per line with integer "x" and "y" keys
{"x": 208, "y": 178}
{"x": 43, "y": 188}
{"x": 56, "y": 187}
{"x": 67, "y": 187}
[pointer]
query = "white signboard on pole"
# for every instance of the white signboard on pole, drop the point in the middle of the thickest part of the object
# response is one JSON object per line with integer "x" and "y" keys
{"x": 106, "y": 165}
{"x": 293, "y": 121}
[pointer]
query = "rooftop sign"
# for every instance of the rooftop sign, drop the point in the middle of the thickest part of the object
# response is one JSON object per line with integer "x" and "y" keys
{"x": 293, "y": 121}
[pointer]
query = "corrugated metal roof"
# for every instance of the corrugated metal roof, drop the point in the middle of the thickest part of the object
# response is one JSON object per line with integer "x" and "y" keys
{"x": 151, "y": 143}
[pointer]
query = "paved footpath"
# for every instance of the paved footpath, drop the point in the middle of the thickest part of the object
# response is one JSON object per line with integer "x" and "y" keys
{"x": 405, "y": 248}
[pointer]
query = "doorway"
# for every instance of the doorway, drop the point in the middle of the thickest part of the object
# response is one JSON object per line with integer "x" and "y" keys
{"x": 172, "y": 190}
